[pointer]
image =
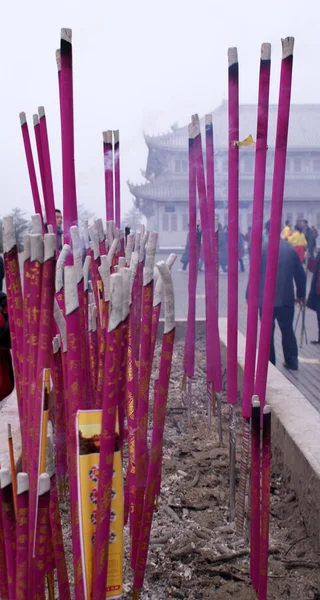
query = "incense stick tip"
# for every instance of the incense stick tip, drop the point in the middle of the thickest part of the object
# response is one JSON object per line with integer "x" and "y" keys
{"x": 41, "y": 112}
{"x": 194, "y": 128}
{"x": 265, "y": 51}
{"x": 255, "y": 402}
{"x": 107, "y": 137}
{"x": 9, "y": 431}
{"x": 22, "y": 483}
{"x": 267, "y": 409}
{"x": 116, "y": 136}
{"x": 66, "y": 34}
{"x": 50, "y": 243}
{"x": 208, "y": 119}
{"x": 23, "y": 118}
{"x": 8, "y": 233}
{"x": 287, "y": 47}
{"x": 232, "y": 56}
{"x": 35, "y": 120}
{"x": 44, "y": 484}
{"x": 5, "y": 478}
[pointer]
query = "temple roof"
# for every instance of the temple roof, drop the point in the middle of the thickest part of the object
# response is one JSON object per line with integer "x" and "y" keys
{"x": 176, "y": 190}
{"x": 304, "y": 128}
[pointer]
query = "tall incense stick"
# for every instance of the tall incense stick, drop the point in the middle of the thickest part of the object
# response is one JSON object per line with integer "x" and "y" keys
{"x": 233, "y": 249}
{"x": 189, "y": 347}
{"x": 275, "y": 218}
{"x": 49, "y": 195}
{"x": 108, "y": 173}
{"x": 254, "y": 276}
{"x": 117, "y": 195}
{"x": 30, "y": 164}
{"x": 70, "y": 214}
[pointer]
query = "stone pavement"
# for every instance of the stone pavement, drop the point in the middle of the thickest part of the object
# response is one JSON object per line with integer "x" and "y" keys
{"x": 307, "y": 379}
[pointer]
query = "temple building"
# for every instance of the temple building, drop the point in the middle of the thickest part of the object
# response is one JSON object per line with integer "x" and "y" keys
{"x": 163, "y": 198}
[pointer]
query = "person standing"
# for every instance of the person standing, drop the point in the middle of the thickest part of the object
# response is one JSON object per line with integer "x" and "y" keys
{"x": 290, "y": 271}
{"x": 286, "y": 232}
{"x": 59, "y": 227}
{"x": 241, "y": 252}
{"x": 313, "y": 301}
{"x": 1, "y": 273}
{"x": 299, "y": 242}
{"x": 311, "y": 242}
{"x": 248, "y": 237}
{"x": 223, "y": 247}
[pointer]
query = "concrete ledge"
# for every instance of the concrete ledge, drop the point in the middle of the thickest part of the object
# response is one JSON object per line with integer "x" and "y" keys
{"x": 295, "y": 437}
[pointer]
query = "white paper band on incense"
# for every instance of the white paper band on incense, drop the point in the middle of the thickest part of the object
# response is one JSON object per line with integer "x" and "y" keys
{"x": 71, "y": 299}
{"x": 150, "y": 257}
{"x": 8, "y": 234}
{"x": 76, "y": 249}
{"x": 37, "y": 249}
{"x": 50, "y": 245}
{"x": 59, "y": 268}
{"x": 115, "y": 317}
{"x": 169, "y": 318}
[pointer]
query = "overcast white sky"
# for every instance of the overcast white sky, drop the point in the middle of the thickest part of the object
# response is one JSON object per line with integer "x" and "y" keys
{"x": 138, "y": 66}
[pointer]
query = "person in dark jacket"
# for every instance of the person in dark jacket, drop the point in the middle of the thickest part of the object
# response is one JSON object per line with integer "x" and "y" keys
{"x": 1, "y": 273}
{"x": 311, "y": 242}
{"x": 241, "y": 252}
{"x": 314, "y": 295}
{"x": 290, "y": 271}
{"x": 59, "y": 227}
{"x": 223, "y": 247}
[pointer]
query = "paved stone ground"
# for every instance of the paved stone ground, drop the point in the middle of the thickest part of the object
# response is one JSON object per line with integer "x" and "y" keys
{"x": 307, "y": 379}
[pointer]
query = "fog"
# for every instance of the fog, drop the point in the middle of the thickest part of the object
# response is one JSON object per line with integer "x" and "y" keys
{"x": 138, "y": 66}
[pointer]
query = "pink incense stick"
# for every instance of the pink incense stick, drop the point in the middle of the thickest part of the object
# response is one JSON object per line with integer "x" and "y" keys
{"x": 107, "y": 445}
{"x": 275, "y": 218}
{"x": 216, "y": 378}
{"x": 108, "y": 173}
{"x": 189, "y": 347}
{"x": 4, "y": 593}
{"x": 255, "y": 494}
{"x": 117, "y": 196}
{"x": 233, "y": 250}
{"x": 49, "y": 194}
{"x": 233, "y": 226}
{"x": 265, "y": 503}
{"x": 70, "y": 214}
{"x": 42, "y": 538}
{"x": 59, "y": 410}
{"x": 75, "y": 398}
{"x": 37, "y": 135}
{"x": 30, "y": 163}
{"x": 9, "y": 529}
{"x": 144, "y": 381}
{"x": 158, "y": 429}
{"x": 257, "y": 226}
{"x": 212, "y": 331}
{"x": 57, "y": 541}
{"x": 254, "y": 276}
{"x": 22, "y": 534}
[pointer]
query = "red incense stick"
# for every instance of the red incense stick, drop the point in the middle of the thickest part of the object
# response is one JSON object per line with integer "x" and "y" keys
{"x": 49, "y": 194}
{"x": 255, "y": 494}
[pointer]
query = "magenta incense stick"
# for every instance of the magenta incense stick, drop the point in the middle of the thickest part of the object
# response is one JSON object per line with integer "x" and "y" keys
{"x": 108, "y": 173}
{"x": 255, "y": 494}
{"x": 117, "y": 196}
{"x": 158, "y": 429}
{"x": 22, "y": 534}
{"x": 49, "y": 193}
{"x": 265, "y": 503}
{"x": 254, "y": 275}
{"x": 9, "y": 529}
{"x": 30, "y": 164}
{"x": 233, "y": 225}
{"x": 190, "y": 341}
{"x": 233, "y": 250}
{"x": 70, "y": 214}
{"x": 107, "y": 445}
{"x": 275, "y": 218}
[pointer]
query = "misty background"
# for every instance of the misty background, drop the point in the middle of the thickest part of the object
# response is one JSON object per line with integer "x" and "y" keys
{"x": 138, "y": 67}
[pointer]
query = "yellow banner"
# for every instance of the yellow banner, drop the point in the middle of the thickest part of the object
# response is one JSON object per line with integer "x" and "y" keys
{"x": 88, "y": 436}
